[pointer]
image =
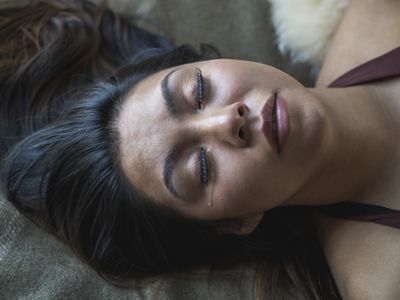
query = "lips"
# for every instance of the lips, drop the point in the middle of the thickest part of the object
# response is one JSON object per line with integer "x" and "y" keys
{"x": 276, "y": 124}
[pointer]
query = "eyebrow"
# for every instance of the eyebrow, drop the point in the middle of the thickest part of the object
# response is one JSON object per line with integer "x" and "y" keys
{"x": 170, "y": 163}
{"x": 169, "y": 100}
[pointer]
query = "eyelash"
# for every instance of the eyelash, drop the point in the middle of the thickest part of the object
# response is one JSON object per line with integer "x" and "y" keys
{"x": 203, "y": 167}
{"x": 200, "y": 104}
{"x": 200, "y": 89}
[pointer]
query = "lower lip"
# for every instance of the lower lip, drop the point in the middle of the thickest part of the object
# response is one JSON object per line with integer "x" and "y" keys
{"x": 282, "y": 121}
{"x": 278, "y": 138}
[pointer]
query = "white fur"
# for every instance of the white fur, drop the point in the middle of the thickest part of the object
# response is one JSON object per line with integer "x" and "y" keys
{"x": 305, "y": 28}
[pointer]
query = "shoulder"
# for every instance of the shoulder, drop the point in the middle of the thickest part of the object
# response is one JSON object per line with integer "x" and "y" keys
{"x": 370, "y": 292}
{"x": 370, "y": 285}
{"x": 358, "y": 39}
{"x": 363, "y": 257}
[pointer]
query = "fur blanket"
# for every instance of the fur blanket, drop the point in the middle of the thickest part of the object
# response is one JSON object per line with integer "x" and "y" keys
{"x": 304, "y": 28}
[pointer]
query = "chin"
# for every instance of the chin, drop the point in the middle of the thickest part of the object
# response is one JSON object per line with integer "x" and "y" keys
{"x": 309, "y": 125}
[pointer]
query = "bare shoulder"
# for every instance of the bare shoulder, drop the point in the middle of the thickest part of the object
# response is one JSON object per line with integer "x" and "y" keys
{"x": 363, "y": 257}
{"x": 369, "y": 28}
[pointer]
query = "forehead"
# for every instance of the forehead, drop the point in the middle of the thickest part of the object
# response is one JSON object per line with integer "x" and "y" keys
{"x": 141, "y": 119}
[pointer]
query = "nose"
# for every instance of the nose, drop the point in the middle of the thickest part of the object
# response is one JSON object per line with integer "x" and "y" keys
{"x": 227, "y": 124}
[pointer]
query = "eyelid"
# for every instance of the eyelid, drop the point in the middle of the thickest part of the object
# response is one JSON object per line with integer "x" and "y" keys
{"x": 204, "y": 168}
{"x": 199, "y": 89}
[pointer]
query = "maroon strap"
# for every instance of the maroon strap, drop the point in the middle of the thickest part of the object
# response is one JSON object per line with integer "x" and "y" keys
{"x": 382, "y": 67}
{"x": 363, "y": 212}
{"x": 392, "y": 220}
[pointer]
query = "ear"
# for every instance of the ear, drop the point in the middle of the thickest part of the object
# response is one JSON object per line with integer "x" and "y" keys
{"x": 241, "y": 226}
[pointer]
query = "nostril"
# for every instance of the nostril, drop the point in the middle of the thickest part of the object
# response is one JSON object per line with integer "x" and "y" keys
{"x": 241, "y": 110}
{"x": 241, "y": 133}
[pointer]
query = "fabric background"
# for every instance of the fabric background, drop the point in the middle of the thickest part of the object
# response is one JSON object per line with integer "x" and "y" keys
{"x": 35, "y": 265}
{"x": 240, "y": 29}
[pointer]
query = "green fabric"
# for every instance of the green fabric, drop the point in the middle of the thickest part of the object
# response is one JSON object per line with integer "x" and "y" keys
{"x": 35, "y": 265}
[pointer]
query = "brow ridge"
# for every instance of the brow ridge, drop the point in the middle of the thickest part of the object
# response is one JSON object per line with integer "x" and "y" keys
{"x": 168, "y": 96}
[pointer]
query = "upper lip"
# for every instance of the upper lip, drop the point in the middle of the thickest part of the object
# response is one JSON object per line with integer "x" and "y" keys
{"x": 268, "y": 128}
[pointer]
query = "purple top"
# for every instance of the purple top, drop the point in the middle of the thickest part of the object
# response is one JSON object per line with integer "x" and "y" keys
{"x": 386, "y": 66}
{"x": 363, "y": 212}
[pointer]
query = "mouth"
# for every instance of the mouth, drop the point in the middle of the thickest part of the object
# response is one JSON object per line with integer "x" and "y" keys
{"x": 276, "y": 125}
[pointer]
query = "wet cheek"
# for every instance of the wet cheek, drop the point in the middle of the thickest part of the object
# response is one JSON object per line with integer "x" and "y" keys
{"x": 244, "y": 185}
{"x": 233, "y": 194}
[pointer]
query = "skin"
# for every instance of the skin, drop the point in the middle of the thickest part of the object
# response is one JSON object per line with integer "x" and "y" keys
{"x": 343, "y": 145}
{"x": 363, "y": 256}
{"x": 230, "y": 85}
{"x": 325, "y": 147}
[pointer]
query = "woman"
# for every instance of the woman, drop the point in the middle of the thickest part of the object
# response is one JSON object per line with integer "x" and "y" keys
{"x": 180, "y": 160}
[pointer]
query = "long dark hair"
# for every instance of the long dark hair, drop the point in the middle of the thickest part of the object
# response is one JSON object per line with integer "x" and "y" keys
{"x": 65, "y": 69}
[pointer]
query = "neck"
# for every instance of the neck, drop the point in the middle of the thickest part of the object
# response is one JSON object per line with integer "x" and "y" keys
{"x": 359, "y": 151}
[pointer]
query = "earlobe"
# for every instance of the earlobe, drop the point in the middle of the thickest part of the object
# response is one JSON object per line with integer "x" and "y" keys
{"x": 242, "y": 226}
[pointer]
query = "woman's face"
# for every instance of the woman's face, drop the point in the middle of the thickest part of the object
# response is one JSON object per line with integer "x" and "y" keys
{"x": 211, "y": 160}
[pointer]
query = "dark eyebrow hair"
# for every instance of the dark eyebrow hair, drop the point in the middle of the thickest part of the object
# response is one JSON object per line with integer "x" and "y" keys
{"x": 168, "y": 96}
{"x": 170, "y": 163}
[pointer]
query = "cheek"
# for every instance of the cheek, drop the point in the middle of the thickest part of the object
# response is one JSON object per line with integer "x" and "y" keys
{"x": 239, "y": 189}
{"x": 251, "y": 182}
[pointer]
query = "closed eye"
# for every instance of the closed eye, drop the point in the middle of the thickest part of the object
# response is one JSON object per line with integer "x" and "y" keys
{"x": 199, "y": 89}
{"x": 203, "y": 168}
